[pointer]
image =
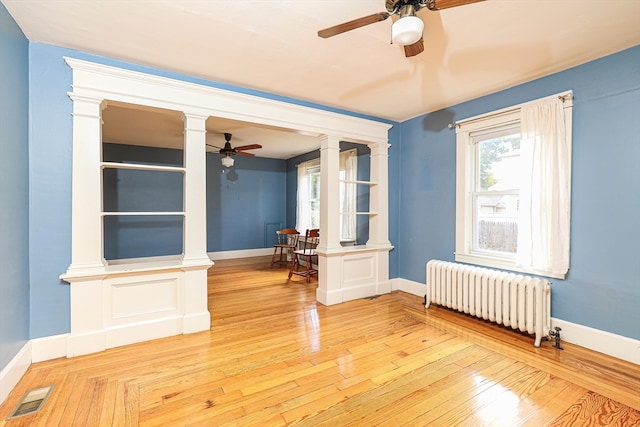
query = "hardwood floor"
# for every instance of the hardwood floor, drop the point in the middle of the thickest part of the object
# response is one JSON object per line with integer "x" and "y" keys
{"x": 275, "y": 357}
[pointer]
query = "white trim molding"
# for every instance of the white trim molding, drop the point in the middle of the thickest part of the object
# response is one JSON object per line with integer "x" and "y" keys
{"x": 48, "y": 348}
{"x": 15, "y": 369}
{"x": 409, "y": 286}
{"x": 603, "y": 342}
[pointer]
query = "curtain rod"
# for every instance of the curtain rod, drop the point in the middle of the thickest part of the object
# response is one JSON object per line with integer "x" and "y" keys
{"x": 564, "y": 96}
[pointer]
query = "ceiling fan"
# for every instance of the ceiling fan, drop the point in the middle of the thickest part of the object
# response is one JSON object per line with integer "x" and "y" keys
{"x": 227, "y": 151}
{"x": 407, "y": 30}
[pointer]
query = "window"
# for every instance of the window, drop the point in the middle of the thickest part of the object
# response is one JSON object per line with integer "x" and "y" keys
{"x": 513, "y": 188}
{"x": 308, "y": 209}
{"x": 496, "y": 192}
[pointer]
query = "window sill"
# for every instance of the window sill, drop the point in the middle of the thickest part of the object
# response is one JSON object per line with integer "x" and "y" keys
{"x": 502, "y": 264}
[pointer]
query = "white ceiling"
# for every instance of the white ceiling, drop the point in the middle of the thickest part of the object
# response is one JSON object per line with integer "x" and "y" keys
{"x": 272, "y": 46}
{"x": 153, "y": 127}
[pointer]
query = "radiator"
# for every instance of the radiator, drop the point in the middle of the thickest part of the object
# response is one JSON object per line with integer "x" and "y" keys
{"x": 513, "y": 300}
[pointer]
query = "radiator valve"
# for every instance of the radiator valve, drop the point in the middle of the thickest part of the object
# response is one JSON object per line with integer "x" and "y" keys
{"x": 556, "y": 335}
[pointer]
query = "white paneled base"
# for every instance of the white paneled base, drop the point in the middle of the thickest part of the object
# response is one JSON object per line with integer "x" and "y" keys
{"x": 196, "y": 322}
{"x": 81, "y": 343}
{"x": 594, "y": 339}
{"x": 143, "y": 331}
{"x": 352, "y": 273}
{"x": 136, "y": 302}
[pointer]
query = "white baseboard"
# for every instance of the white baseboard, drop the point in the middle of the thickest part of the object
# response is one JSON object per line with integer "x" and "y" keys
{"x": 409, "y": 286}
{"x": 243, "y": 253}
{"x": 603, "y": 342}
{"x": 48, "y": 348}
{"x": 196, "y": 322}
{"x": 15, "y": 369}
{"x": 594, "y": 339}
{"x": 135, "y": 332}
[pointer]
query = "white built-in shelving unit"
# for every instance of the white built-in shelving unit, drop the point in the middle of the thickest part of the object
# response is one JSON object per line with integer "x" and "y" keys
{"x": 123, "y": 301}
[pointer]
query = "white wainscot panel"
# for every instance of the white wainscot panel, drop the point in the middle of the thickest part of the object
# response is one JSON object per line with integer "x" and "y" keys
{"x": 142, "y": 298}
{"x": 358, "y": 269}
{"x": 358, "y": 276}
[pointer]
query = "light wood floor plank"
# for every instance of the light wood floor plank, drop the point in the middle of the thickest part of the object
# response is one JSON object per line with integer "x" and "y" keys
{"x": 275, "y": 357}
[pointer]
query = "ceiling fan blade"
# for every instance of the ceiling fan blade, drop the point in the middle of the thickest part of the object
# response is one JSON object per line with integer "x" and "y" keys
{"x": 414, "y": 49}
{"x": 210, "y": 145}
{"x": 248, "y": 147}
{"x": 352, "y": 25}
{"x": 244, "y": 153}
{"x": 446, "y": 4}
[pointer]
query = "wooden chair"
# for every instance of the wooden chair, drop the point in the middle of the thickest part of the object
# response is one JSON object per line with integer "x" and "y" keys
{"x": 308, "y": 252}
{"x": 287, "y": 243}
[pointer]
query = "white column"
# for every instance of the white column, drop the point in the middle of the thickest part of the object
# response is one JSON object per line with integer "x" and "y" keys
{"x": 195, "y": 261}
{"x": 195, "y": 190}
{"x": 379, "y": 196}
{"x": 329, "y": 249}
{"x": 86, "y": 194}
{"x": 329, "y": 194}
{"x": 87, "y": 254}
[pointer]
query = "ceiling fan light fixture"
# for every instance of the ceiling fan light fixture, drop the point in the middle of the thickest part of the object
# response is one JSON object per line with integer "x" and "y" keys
{"x": 227, "y": 161}
{"x": 407, "y": 30}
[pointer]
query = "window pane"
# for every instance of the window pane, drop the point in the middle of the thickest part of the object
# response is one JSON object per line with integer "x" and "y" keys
{"x": 315, "y": 214}
{"x": 498, "y": 163}
{"x": 497, "y": 195}
{"x": 314, "y": 186}
{"x": 496, "y": 227}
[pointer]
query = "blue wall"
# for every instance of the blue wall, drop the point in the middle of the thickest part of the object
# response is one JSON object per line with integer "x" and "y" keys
{"x": 245, "y": 203}
{"x": 602, "y": 289}
{"x": 14, "y": 189}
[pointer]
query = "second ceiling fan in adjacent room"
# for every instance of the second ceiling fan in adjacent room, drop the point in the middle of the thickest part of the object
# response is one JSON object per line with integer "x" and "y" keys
{"x": 227, "y": 151}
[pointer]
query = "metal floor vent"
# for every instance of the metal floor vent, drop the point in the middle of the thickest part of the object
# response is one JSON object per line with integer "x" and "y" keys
{"x": 31, "y": 402}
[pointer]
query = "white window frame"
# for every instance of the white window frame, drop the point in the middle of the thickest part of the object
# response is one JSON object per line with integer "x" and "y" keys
{"x": 311, "y": 167}
{"x": 465, "y": 182}
{"x": 303, "y": 201}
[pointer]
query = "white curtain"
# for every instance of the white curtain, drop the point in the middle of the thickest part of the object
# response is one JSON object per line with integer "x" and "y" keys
{"x": 303, "y": 210}
{"x": 348, "y": 193}
{"x": 545, "y": 193}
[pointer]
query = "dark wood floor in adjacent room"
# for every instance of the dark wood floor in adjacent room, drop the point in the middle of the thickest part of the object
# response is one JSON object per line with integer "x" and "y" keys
{"x": 275, "y": 357}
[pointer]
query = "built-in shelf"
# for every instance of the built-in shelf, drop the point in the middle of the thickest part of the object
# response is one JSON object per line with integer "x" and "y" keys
{"x": 134, "y": 166}
{"x": 142, "y": 167}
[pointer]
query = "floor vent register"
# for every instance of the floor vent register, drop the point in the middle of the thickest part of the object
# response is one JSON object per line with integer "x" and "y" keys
{"x": 31, "y": 402}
